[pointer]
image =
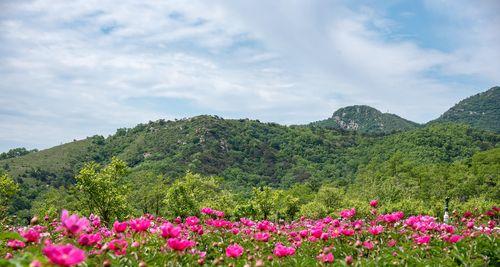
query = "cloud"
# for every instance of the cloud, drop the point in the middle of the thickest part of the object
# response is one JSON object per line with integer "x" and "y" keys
{"x": 71, "y": 69}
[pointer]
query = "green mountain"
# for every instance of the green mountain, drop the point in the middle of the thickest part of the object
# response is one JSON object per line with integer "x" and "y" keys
{"x": 247, "y": 153}
{"x": 365, "y": 119}
{"x": 480, "y": 111}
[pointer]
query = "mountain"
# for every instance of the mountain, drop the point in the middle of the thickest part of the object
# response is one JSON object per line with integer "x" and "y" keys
{"x": 365, "y": 119}
{"x": 481, "y": 111}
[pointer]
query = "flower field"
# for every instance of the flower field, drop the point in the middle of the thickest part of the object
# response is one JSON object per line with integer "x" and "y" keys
{"x": 211, "y": 239}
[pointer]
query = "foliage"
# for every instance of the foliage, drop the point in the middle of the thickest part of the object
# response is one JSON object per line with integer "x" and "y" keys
{"x": 8, "y": 188}
{"x": 102, "y": 190}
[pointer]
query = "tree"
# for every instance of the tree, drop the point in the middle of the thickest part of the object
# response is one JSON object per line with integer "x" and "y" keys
{"x": 103, "y": 190}
{"x": 8, "y": 188}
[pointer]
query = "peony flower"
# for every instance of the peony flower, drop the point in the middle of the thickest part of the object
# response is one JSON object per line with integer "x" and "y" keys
{"x": 140, "y": 224}
{"x": 118, "y": 246}
{"x": 421, "y": 240}
{"x": 192, "y": 220}
{"x": 89, "y": 239}
{"x": 455, "y": 238}
{"x": 282, "y": 251}
{"x": 15, "y": 244}
{"x": 73, "y": 223}
{"x": 31, "y": 235}
{"x": 64, "y": 255}
{"x": 234, "y": 251}
{"x": 207, "y": 211}
{"x": 368, "y": 244}
{"x": 262, "y": 236}
{"x": 119, "y": 227}
{"x": 374, "y": 203}
{"x": 347, "y": 214}
{"x": 376, "y": 230}
{"x": 179, "y": 243}
{"x": 348, "y": 260}
{"x": 168, "y": 230}
{"x": 326, "y": 258}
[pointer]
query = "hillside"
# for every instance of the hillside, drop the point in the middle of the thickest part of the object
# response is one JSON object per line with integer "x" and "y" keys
{"x": 365, "y": 119}
{"x": 481, "y": 111}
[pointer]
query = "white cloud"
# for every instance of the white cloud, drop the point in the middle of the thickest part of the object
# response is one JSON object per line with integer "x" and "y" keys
{"x": 68, "y": 68}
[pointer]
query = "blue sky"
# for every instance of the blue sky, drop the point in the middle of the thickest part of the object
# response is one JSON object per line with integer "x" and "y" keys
{"x": 71, "y": 69}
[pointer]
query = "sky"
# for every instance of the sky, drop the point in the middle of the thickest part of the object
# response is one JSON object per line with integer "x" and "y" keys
{"x": 72, "y": 69}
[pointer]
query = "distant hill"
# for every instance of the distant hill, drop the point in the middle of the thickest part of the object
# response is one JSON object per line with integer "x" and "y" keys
{"x": 481, "y": 111}
{"x": 365, "y": 119}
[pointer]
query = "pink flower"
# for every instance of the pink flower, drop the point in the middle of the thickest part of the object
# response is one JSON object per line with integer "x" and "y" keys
{"x": 282, "y": 251}
{"x": 455, "y": 238}
{"x": 326, "y": 258}
{"x": 64, "y": 255}
{"x": 15, "y": 244}
{"x": 376, "y": 230}
{"x": 262, "y": 236}
{"x": 368, "y": 244}
{"x": 207, "y": 211}
{"x": 391, "y": 243}
{"x": 347, "y": 214}
{"x": 89, "y": 239}
{"x": 119, "y": 227}
{"x": 140, "y": 224}
{"x": 179, "y": 243}
{"x": 234, "y": 251}
{"x": 348, "y": 260}
{"x": 169, "y": 230}
{"x": 374, "y": 203}
{"x": 31, "y": 235}
{"x": 420, "y": 240}
{"x": 192, "y": 220}
{"x": 347, "y": 232}
{"x": 73, "y": 223}
{"x": 35, "y": 263}
{"x": 118, "y": 246}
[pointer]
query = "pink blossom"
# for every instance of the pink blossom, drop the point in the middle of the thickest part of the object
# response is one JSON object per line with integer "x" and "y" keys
{"x": 140, "y": 224}
{"x": 326, "y": 258}
{"x": 64, "y": 255}
{"x": 391, "y": 243}
{"x": 31, "y": 235}
{"x": 207, "y": 211}
{"x": 376, "y": 230}
{"x": 35, "y": 263}
{"x": 347, "y": 214}
{"x": 368, "y": 244}
{"x": 168, "y": 230}
{"x": 192, "y": 220}
{"x": 283, "y": 251}
{"x": 374, "y": 203}
{"x": 118, "y": 246}
{"x": 262, "y": 236}
{"x": 15, "y": 244}
{"x": 348, "y": 260}
{"x": 421, "y": 240}
{"x": 455, "y": 238}
{"x": 234, "y": 251}
{"x": 119, "y": 227}
{"x": 89, "y": 239}
{"x": 73, "y": 223}
{"x": 179, "y": 243}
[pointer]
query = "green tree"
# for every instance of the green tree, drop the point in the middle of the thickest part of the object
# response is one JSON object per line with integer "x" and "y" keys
{"x": 8, "y": 188}
{"x": 103, "y": 191}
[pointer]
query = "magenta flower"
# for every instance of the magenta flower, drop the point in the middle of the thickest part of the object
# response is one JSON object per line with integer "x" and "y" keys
{"x": 15, "y": 244}
{"x": 64, "y": 255}
{"x": 192, "y": 220}
{"x": 179, "y": 244}
{"x": 326, "y": 258}
{"x": 89, "y": 239}
{"x": 283, "y": 251}
{"x": 374, "y": 203}
{"x": 168, "y": 230}
{"x": 455, "y": 238}
{"x": 262, "y": 236}
{"x": 73, "y": 223}
{"x": 119, "y": 227}
{"x": 140, "y": 224}
{"x": 421, "y": 240}
{"x": 207, "y": 211}
{"x": 118, "y": 246}
{"x": 347, "y": 214}
{"x": 234, "y": 251}
{"x": 31, "y": 235}
{"x": 368, "y": 244}
{"x": 376, "y": 230}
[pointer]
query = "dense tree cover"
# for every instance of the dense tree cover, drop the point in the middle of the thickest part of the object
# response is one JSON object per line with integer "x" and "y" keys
{"x": 480, "y": 111}
{"x": 365, "y": 119}
{"x": 16, "y": 152}
{"x": 243, "y": 154}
